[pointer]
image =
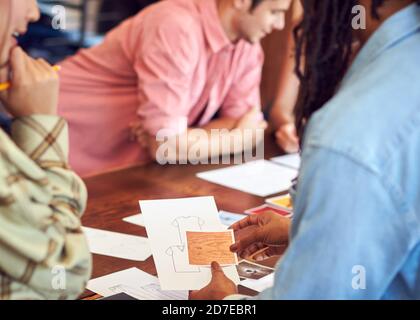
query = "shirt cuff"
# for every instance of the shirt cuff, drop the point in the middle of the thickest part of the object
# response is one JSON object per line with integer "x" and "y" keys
{"x": 165, "y": 126}
{"x": 235, "y": 114}
{"x": 43, "y": 138}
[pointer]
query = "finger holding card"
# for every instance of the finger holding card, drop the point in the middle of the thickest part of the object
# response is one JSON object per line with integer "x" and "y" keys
{"x": 253, "y": 249}
{"x": 219, "y": 287}
{"x": 269, "y": 252}
{"x": 268, "y": 228}
{"x": 244, "y": 223}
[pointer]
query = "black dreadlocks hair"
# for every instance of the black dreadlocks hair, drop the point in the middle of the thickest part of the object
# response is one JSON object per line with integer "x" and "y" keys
{"x": 323, "y": 51}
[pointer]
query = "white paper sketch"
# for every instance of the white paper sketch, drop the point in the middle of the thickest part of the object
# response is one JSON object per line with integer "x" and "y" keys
{"x": 119, "y": 245}
{"x": 179, "y": 251}
{"x": 166, "y": 223}
{"x": 180, "y": 262}
{"x": 189, "y": 223}
{"x": 261, "y": 178}
{"x": 150, "y": 291}
{"x": 291, "y": 160}
{"x": 136, "y": 283}
{"x": 136, "y": 219}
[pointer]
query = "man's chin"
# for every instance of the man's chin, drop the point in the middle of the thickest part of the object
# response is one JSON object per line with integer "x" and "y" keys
{"x": 253, "y": 40}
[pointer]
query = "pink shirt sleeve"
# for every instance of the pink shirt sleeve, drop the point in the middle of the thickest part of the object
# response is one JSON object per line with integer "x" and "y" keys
{"x": 244, "y": 93}
{"x": 165, "y": 62}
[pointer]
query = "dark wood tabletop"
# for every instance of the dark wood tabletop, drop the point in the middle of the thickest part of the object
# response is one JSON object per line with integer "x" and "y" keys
{"x": 115, "y": 195}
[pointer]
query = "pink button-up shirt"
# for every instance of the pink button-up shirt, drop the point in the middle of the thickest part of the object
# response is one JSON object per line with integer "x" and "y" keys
{"x": 172, "y": 64}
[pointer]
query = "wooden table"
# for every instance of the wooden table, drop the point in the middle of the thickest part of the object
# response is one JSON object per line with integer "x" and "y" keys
{"x": 115, "y": 195}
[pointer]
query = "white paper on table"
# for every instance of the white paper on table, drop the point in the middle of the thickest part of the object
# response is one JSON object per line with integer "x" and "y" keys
{"x": 228, "y": 218}
{"x": 260, "y": 284}
{"x": 136, "y": 283}
{"x": 135, "y": 219}
{"x": 166, "y": 223}
{"x": 261, "y": 178}
{"x": 289, "y": 160}
{"x": 117, "y": 244}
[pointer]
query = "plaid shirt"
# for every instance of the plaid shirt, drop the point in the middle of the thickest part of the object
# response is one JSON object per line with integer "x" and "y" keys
{"x": 43, "y": 252}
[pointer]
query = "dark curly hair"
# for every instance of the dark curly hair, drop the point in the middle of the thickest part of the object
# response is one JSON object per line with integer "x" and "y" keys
{"x": 324, "y": 41}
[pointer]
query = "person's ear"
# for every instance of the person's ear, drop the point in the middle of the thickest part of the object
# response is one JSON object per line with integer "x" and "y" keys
{"x": 242, "y": 5}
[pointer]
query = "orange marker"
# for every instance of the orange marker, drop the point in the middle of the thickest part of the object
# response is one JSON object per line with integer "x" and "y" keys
{"x": 6, "y": 85}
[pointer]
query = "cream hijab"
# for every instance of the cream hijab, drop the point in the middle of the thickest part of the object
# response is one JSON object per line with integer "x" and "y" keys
{"x": 5, "y": 17}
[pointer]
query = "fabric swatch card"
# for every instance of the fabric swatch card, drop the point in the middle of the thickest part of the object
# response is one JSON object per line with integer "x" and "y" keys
{"x": 206, "y": 247}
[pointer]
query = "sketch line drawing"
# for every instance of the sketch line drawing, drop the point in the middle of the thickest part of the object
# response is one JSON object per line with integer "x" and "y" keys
{"x": 188, "y": 223}
{"x": 179, "y": 251}
{"x": 147, "y": 292}
{"x": 180, "y": 262}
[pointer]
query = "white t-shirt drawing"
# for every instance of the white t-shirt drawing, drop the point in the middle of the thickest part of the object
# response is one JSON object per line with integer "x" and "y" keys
{"x": 180, "y": 259}
{"x": 184, "y": 224}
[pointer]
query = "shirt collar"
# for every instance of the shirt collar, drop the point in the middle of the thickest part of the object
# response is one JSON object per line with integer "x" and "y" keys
{"x": 213, "y": 30}
{"x": 399, "y": 26}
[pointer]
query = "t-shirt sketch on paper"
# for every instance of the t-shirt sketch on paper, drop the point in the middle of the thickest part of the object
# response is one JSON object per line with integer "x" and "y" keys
{"x": 179, "y": 251}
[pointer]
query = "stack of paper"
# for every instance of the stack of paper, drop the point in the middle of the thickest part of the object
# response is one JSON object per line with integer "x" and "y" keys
{"x": 135, "y": 283}
{"x": 290, "y": 160}
{"x": 261, "y": 178}
{"x": 118, "y": 245}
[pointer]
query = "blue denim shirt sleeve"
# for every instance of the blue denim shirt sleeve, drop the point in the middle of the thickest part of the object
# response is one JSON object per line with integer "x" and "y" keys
{"x": 356, "y": 226}
{"x": 336, "y": 250}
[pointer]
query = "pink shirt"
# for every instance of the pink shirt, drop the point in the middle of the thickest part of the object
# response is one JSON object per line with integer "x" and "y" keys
{"x": 170, "y": 66}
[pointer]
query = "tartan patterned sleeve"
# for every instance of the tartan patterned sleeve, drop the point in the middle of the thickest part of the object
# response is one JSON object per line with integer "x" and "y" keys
{"x": 43, "y": 252}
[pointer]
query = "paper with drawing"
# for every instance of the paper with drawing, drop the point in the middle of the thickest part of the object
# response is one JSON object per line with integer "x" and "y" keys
{"x": 166, "y": 223}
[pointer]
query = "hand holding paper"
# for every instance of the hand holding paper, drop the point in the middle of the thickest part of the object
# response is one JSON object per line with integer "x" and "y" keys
{"x": 259, "y": 230}
{"x": 167, "y": 223}
{"x": 219, "y": 287}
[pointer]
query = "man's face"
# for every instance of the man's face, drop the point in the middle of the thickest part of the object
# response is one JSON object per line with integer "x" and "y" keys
{"x": 268, "y": 15}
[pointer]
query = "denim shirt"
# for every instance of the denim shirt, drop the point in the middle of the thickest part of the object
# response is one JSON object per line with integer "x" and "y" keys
{"x": 356, "y": 228}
